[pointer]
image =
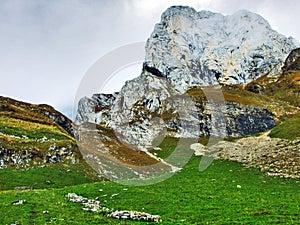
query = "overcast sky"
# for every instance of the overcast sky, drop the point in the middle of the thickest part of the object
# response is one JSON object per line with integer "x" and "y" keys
{"x": 46, "y": 47}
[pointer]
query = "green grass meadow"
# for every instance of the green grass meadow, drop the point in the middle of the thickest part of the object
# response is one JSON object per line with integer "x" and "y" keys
{"x": 188, "y": 197}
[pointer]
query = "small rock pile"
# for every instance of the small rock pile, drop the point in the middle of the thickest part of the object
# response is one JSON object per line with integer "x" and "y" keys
{"x": 94, "y": 205}
{"x": 132, "y": 215}
{"x": 60, "y": 154}
{"x": 20, "y": 158}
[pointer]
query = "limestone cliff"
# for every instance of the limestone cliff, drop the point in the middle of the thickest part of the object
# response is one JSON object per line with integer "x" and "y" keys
{"x": 202, "y": 48}
{"x": 190, "y": 49}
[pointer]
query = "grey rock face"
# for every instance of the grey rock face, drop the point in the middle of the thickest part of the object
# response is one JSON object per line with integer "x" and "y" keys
{"x": 193, "y": 48}
{"x": 247, "y": 120}
{"x": 95, "y": 109}
{"x": 136, "y": 108}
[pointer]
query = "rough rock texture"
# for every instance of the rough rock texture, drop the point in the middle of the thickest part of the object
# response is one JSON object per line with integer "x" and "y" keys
{"x": 202, "y": 48}
{"x": 247, "y": 120}
{"x": 274, "y": 156}
{"x": 155, "y": 110}
{"x": 134, "y": 112}
{"x": 285, "y": 87}
{"x": 292, "y": 62}
{"x": 25, "y": 158}
{"x": 95, "y": 109}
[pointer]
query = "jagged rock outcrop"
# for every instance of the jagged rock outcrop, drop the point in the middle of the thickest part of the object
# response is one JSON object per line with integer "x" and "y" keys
{"x": 26, "y": 158}
{"x": 292, "y": 62}
{"x": 285, "y": 87}
{"x": 95, "y": 109}
{"x": 56, "y": 116}
{"x": 188, "y": 49}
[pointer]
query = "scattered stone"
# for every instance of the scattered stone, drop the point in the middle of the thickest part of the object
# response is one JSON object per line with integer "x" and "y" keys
{"x": 24, "y": 188}
{"x": 274, "y": 156}
{"x": 132, "y": 215}
{"x": 15, "y": 223}
{"x": 95, "y": 206}
{"x": 19, "y": 202}
{"x": 89, "y": 204}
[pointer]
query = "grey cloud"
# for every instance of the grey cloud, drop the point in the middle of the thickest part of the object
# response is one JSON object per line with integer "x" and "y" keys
{"x": 47, "y": 46}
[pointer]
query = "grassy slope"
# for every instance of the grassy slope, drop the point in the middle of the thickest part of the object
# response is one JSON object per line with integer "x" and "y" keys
{"x": 189, "y": 197}
{"x": 279, "y": 107}
{"x": 50, "y": 176}
{"x": 22, "y": 128}
{"x": 288, "y": 129}
{"x": 285, "y": 89}
{"x": 288, "y": 88}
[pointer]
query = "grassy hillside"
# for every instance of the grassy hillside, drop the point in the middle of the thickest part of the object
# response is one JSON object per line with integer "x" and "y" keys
{"x": 37, "y": 150}
{"x": 24, "y": 123}
{"x": 225, "y": 193}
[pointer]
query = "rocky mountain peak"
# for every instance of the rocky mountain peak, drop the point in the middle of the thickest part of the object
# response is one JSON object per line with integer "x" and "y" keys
{"x": 193, "y": 48}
